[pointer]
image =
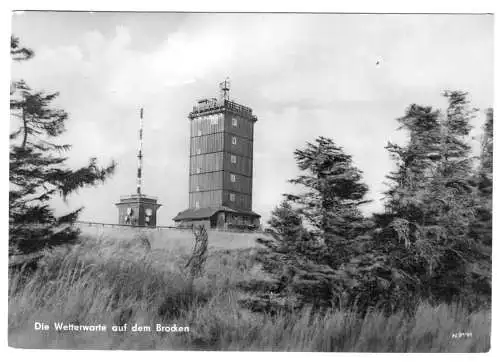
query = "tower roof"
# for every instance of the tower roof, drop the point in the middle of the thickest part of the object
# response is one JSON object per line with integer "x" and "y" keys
{"x": 134, "y": 198}
{"x": 203, "y": 213}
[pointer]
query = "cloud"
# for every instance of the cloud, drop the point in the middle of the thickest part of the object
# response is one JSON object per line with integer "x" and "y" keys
{"x": 304, "y": 76}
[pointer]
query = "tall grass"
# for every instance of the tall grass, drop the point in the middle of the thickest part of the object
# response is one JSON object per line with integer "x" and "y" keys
{"x": 114, "y": 283}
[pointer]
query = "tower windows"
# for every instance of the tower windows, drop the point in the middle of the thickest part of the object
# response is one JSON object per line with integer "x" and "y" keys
{"x": 233, "y": 159}
{"x": 233, "y": 178}
{"x": 232, "y": 197}
{"x": 235, "y": 122}
{"x": 233, "y": 140}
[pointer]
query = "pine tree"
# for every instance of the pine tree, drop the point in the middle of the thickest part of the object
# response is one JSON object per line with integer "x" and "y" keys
{"x": 431, "y": 203}
{"x": 333, "y": 192}
{"x": 287, "y": 228}
{"x": 19, "y": 53}
{"x": 487, "y": 144}
{"x": 37, "y": 168}
{"x": 479, "y": 271}
{"x": 484, "y": 176}
{"x": 415, "y": 162}
{"x": 314, "y": 266}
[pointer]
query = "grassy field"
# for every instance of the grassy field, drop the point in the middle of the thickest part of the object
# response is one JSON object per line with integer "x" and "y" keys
{"x": 180, "y": 240}
{"x": 116, "y": 280}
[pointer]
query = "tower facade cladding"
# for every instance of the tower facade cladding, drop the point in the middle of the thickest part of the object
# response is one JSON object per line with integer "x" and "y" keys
{"x": 220, "y": 166}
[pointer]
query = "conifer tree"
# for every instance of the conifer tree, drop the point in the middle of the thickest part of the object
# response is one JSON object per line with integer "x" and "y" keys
{"x": 19, "y": 53}
{"x": 483, "y": 225}
{"x": 287, "y": 228}
{"x": 333, "y": 192}
{"x": 37, "y": 168}
{"x": 486, "y": 165}
{"x": 431, "y": 202}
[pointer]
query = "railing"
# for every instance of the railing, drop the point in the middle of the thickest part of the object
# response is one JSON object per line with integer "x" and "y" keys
{"x": 116, "y": 225}
{"x": 216, "y": 104}
{"x": 208, "y": 105}
{"x": 238, "y": 108}
{"x": 232, "y": 229}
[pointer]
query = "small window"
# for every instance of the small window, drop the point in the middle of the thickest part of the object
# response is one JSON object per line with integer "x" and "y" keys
{"x": 197, "y": 204}
{"x": 197, "y": 188}
{"x": 199, "y": 132}
{"x": 233, "y": 178}
{"x": 198, "y": 151}
{"x": 233, "y": 159}
{"x": 198, "y": 170}
{"x": 233, "y": 140}
{"x": 235, "y": 122}
{"x": 231, "y": 197}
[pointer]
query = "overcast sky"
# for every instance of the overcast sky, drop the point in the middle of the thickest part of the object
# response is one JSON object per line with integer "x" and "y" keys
{"x": 303, "y": 75}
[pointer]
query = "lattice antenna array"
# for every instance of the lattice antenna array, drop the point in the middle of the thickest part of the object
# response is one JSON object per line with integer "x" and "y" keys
{"x": 139, "y": 154}
{"x": 224, "y": 88}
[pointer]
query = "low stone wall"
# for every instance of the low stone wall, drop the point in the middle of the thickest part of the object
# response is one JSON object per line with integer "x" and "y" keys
{"x": 124, "y": 226}
{"x": 166, "y": 237}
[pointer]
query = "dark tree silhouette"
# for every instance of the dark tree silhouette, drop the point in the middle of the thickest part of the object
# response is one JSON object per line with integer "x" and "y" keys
{"x": 37, "y": 168}
{"x": 333, "y": 192}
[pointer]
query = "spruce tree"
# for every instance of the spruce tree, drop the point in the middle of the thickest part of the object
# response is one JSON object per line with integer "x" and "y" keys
{"x": 482, "y": 230}
{"x": 415, "y": 161}
{"x": 19, "y": 53}
{"x": 287, "y": 228}
{"x": 333, "y": 193}
{"x": 38, "y": 171}
{"x": 479, "y": 274}
{"x": 432, "y": 201}
{"x": 320, "y": 230}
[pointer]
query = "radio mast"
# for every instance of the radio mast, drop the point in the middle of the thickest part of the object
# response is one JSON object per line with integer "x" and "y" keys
{"x": 139, "y": 155}
{"x": 138, "y": 209}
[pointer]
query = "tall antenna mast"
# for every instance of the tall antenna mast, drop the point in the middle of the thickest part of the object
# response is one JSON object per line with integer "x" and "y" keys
{"x": 224, "y": 89}
{"x": 139, "y": 155}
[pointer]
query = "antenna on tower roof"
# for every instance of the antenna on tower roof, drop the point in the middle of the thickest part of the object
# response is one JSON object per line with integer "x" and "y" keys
{"x": 224, "y": 88}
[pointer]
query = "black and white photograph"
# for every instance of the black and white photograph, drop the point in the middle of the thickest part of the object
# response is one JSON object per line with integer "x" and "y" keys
{"x": 250, "y": 181}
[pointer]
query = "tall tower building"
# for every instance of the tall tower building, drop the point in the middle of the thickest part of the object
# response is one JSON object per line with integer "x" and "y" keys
{"x": 138, "y": 209}
{"x": 220, "y": 164}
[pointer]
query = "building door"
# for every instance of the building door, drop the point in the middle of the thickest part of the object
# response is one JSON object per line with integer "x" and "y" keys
{"x": 221, "y": 221}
